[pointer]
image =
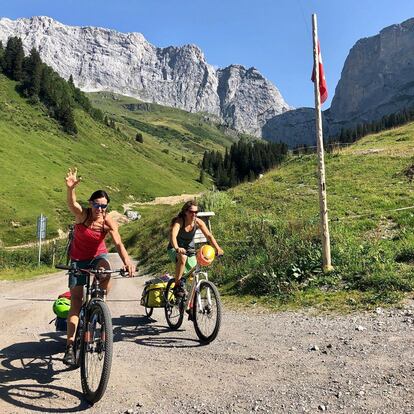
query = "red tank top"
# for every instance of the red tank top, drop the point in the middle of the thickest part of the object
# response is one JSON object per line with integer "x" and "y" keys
{"x": 87, "y": 243}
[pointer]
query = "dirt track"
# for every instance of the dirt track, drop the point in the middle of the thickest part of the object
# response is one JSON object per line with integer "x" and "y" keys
{"x": 170, "y": 200}
{"x": 286, "y": 362}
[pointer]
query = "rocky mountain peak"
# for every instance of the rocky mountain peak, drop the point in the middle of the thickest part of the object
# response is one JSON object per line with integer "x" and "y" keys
{"x": 126, "y": 63}
{"x": 377, "y": 78}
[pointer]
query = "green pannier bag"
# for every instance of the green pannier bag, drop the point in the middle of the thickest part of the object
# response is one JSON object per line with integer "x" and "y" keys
{"x": 153, "y": 293}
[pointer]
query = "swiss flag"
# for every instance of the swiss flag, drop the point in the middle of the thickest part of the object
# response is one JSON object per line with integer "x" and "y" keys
{"x": 323, "y": 89}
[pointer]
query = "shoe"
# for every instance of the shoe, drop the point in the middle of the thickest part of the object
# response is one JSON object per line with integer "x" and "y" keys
{"x": 179, "y": 290}
{"x": 190, "y": 314}
{"x": 69, "y": 357}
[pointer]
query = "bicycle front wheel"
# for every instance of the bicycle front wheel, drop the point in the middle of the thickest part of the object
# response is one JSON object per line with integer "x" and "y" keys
{"x": 174, "y": 307}
{"x": 96, "y": 355}
{"x": 207, "y": 311}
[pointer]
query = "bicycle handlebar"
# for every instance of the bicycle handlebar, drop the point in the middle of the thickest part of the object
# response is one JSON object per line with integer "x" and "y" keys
{"x": 122, "y": 272}
{"x": 193, "y": 252}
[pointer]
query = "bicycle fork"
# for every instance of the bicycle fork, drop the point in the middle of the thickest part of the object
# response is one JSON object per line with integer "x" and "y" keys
{"x": 92, "y": 334}
{"x": 195, "y": 293}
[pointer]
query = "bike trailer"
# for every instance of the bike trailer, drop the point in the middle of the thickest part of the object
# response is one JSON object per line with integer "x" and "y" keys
{"x": 153, "y": 293}
{"x": 65, "y": 295}
{"x": 61, "y": 324}
{"x": 61, "y": 308}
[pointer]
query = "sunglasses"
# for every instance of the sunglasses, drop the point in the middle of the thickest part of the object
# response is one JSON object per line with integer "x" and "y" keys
{"x": 97, "y": 205}
{"x": 193, "y": 211}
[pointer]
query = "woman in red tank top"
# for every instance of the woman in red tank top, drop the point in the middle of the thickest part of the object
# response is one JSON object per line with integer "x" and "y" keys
{"x": 88, "y": 249}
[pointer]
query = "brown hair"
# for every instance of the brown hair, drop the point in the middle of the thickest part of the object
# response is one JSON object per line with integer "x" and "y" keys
{"x": 184, "y": 209}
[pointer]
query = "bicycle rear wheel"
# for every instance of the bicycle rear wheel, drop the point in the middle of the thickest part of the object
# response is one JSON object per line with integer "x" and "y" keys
{"x": 207, "y": 311}
{"x": 174, "y": 307}
{"x": 96, "y": 355}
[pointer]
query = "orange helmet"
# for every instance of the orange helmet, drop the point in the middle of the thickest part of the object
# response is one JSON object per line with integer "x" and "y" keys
{"x": 205, "y": 255}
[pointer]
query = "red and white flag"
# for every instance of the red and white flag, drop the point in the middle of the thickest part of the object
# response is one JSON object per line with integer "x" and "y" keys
{"x": 323, "y": 89}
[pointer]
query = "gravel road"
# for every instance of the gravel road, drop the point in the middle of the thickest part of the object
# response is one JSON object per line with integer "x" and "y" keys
{"x": 293, "y": 362}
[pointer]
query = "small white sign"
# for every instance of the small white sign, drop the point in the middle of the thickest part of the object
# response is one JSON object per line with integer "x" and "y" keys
{"x": 41, "y": 227}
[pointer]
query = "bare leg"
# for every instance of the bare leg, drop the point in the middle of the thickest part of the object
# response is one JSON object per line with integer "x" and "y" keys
{"x": 179, "y": 267}
{"x": 105, "y": 283}
{"x": 76, "y": 296}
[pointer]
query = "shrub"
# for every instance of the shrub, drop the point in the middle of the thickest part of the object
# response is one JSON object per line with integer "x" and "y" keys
{"x": 214, "y": 200}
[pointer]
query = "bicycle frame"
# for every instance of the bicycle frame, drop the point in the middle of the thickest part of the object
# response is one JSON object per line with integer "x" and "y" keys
{"x": 195, "y": 275}
{"x": 93, "y": 291}
{"x": 201, "y": 301}
{"x": 91, "y": 294}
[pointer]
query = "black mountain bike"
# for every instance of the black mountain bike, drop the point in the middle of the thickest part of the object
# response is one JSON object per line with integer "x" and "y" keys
{"x": 94, "y": 336}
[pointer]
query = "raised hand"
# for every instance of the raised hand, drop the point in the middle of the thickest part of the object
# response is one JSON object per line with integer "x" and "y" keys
{"x": 71, "y": 180}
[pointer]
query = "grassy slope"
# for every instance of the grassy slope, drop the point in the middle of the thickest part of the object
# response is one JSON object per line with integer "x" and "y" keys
{"x": 35, "y": 155}
{"x": 186, "y": 134}
{"x": 271, "y": 226}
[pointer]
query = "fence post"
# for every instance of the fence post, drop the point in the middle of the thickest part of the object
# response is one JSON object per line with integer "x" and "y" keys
{"x": 53, "y": 253}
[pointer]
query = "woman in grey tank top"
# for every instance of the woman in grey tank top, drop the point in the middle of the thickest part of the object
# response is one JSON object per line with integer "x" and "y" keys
{"x": 181, "y": 247}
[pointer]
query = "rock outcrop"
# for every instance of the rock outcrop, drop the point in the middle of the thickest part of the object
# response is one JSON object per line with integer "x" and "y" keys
{"x": 377, "y": 78}
{"x": 295, "y": 128}
{"x": 106, "y": 60}
{"x": 240, "y": 90}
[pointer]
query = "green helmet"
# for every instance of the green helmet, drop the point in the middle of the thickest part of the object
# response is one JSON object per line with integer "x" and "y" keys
{"x": 61, "y": 307}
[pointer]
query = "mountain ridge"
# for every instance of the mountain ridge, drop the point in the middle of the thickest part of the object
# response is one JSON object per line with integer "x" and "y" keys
{"x": 377, "y": 80}
{"x": 102, "y": 59}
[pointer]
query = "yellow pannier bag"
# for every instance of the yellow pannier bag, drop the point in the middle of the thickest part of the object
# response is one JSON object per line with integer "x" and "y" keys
{"x": 153, "y": 293}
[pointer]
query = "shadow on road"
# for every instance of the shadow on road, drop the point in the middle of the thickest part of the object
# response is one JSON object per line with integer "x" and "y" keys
{"x": 27, "y": 371}
{"x": 145, "y": 331}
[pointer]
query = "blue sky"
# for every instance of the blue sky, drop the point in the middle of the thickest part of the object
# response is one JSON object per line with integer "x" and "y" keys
{"x": 272, "y": 35}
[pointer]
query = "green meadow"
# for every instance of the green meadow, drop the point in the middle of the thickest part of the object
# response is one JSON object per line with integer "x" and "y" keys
{"x": 269, "y": 230}
{"x": 35, "y": 155}
{"x": 186, "y": 134}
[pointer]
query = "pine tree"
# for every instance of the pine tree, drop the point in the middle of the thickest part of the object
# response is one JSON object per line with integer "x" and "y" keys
{"x": 13, "y": 59}
{"x": 226, "y": 160}
{"x": 204, "y": 162}
{"x": 32, "y": 73}
{"x": 233, "y": 176}
{"x": 2, "y": 51}
{"x": 359, "y": 130}
{"x": 202, "y": 178}
{"x": 67, "y": 118}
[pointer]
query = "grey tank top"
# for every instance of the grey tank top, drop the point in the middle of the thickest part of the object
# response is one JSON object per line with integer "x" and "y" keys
{"x": 185, "y": 239}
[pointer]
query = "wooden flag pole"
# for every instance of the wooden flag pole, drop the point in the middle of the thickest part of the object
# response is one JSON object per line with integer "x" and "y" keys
{"x": 323, "y": 208}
